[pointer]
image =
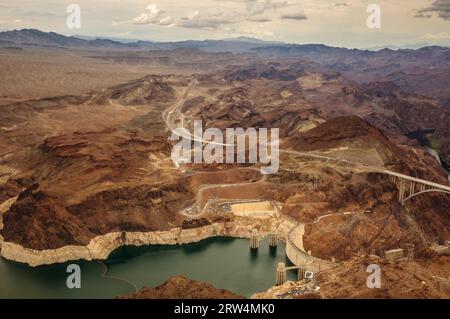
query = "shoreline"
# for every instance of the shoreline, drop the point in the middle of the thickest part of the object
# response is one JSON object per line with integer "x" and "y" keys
{"x": 100, "y": 247}
{"x": 3, "y": 209}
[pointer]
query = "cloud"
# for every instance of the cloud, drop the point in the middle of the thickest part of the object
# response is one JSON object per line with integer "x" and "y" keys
{"x": 259, "y": 19}
{"x": 254, "y": 12}
{"x": 294, "y": 16}
{"x": 423, "y": 15}
{"x": 439, "y": 7}
{"x": 251, "y": 11}
{"x": 435, "y": 37}
{"x": 153, "y": 15}
{"x": 260, "y": 7}
{"x": 210, "y": 20}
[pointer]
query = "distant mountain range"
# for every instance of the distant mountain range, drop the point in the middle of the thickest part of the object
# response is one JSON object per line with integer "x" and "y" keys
{"x": 33, "y": 37}
{"x": 424, "y": 71}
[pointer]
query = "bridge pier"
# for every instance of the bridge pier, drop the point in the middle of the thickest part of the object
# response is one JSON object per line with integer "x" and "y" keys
{"x": 401, "y": 192}
{"x": 412, "y": 188}
{"x": 410, "y": 250}
{"x": 281, "y": 274}
{"x": 254, "y": 239}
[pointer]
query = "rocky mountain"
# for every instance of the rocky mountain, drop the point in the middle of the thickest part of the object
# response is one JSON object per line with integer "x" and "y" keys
{"x": 343, "y": 132}
{"x": 88, "y": 163}
{"x": 179, "y": 287}
{"x": 106, "y": 169}
{"x": 424, "y": 70}
{"x": 382, "y": 103}
{"x": 346, "y": 59}
{"x": 106, "y": 147}
{"x": 145, "y": 90}
{"x": 289, "y": 94}
{"x": 433, "y": 83}
{"x": 33, "y": 37}
{"x": 259, "y": 95}
{"x": 385, "y": 223}
{"x": 275, "y": 71}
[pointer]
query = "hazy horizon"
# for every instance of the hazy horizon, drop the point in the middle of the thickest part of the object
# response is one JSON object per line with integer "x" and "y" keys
{"x": 330, "y": 22}
{"x": 414, "y": 46}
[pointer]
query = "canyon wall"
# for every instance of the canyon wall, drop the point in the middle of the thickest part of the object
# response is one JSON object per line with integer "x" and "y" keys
{"x": 101, "y": 246}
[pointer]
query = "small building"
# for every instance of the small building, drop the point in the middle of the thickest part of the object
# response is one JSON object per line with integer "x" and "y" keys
{"x": 309, "y": 275}
{"x": 394, "y": 255}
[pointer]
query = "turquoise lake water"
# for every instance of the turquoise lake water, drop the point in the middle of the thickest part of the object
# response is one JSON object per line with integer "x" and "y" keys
{"x": 224, "y": 262}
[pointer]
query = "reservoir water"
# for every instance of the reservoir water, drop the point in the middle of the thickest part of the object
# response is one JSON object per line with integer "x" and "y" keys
{"x": 421, "y": 137}
{"x": 436, "y": 156}
{"x": 224, "y": 262}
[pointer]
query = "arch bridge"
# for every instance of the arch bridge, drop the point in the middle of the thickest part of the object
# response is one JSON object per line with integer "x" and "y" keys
{"x": 409, "y": 187}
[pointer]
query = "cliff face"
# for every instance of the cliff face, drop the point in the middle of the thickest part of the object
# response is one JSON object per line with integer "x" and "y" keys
{"x": 257, "y": 103}
{"x": 89, "y": 183}
{"x": 384, "y": 105}
{"x": 47, "y": 222}
{"x": 347, "y": 131}
{"x": 353, "y": 134}
{"x": 179, "y": 287}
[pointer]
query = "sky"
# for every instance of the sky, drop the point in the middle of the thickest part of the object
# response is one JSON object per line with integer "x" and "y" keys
{"x": 332, "y": 22}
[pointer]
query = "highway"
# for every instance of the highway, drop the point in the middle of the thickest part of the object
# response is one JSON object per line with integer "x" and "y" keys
{"x": 176, "y": 108}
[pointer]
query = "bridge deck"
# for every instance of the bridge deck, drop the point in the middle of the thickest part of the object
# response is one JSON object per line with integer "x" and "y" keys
{"x": 417, "y": 180}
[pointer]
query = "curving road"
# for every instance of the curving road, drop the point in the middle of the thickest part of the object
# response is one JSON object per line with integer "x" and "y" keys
{"x": 174, "y": 114}
{"x": 214, "y": 186}
{"x": 176, "y": 109}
